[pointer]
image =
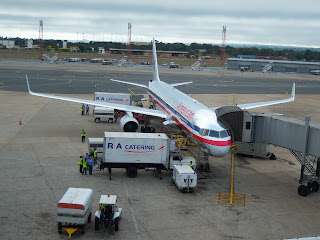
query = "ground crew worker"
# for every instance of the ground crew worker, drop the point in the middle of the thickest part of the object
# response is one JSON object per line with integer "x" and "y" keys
{"x": 83, "y": 135}
{"x": 90, "y": 165}
{"x": 191, "y": 165}
{"x": 80, "y": 163}
{"x": 84, "y": 167}
{"x": 95, "y": 154}
{"x": 82, "y": 109}
{"x": 87, "y": 110}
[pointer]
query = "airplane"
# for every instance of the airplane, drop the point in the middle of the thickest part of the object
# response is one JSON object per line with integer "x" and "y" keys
{"x": 52, "y": 59}
{"x": 198, "y": 120}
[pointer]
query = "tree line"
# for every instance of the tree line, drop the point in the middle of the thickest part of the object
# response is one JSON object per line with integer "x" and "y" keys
{"x": 197, "y": 49}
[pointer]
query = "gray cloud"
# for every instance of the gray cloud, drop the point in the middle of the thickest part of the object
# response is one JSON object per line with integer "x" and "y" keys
{"x": 247, "y": 21}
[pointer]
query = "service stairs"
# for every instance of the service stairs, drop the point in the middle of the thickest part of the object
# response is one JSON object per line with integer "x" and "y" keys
{"x": 310, "y": 165}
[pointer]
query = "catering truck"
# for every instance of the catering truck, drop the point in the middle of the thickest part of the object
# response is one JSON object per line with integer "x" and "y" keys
{"x": 119, "y": 98}
{"x": 74, "y": 210}
{"x": 133, "y": 151}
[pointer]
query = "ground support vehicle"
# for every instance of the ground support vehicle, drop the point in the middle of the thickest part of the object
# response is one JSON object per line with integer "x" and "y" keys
{"x": 103, "y": 114}
{"x": 109, "y": 214}
{"x": 134, "y": 150}
{"x": 95, "y": 143}
{"x": 74, "y": 210}
{"x": 184, "y": 177}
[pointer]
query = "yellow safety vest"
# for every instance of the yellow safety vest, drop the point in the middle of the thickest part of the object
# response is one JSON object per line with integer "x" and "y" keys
{"x": 84, "y": 164}
{"x": 83, "y": 133}
{"x": 191, "y": 165}
{"x": 80, "y": 161}
{"x": 95, "y": 153}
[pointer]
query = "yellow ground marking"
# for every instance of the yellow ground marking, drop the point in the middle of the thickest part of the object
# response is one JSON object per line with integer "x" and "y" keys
{"x": 232, "y": 198}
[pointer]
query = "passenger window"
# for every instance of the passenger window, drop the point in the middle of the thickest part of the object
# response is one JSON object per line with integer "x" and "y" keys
{"x": 214, "y": 134}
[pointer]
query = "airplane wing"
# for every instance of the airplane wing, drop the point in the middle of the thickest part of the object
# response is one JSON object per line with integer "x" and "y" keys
{"x": 178, "y": 84}
{"x": 126, "y": 108}
{"x": 269, "y": 103}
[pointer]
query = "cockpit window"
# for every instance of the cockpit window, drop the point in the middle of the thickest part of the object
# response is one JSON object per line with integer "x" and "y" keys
{"x": 214, "y": 134}
{"x": 223, "y": 134}
{"x": 204, "y": 132}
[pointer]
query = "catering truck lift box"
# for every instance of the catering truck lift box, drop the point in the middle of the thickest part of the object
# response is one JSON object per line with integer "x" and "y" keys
{"x": 184, "y": 177}
{"x": 134, "y": 150}
{"x": 74, "y": 210}
{"x": 120, "y": 98}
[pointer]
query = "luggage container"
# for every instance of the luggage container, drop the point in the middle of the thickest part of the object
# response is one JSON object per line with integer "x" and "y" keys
{"x": 184, "y": 177}
{"x": 74, "y": 210}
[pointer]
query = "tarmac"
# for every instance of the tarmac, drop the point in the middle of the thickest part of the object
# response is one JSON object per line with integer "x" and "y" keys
{"x": 39, "y": 162}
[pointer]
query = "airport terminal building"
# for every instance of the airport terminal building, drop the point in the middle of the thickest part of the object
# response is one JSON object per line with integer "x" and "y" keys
{"x": 275, "y": 65}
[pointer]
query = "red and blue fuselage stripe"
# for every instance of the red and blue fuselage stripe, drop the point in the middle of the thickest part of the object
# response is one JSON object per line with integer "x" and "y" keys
{"x": 185, "y": 123}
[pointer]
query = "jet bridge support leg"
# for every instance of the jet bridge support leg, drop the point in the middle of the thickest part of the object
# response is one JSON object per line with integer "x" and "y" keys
{"x": 305, "y": 149}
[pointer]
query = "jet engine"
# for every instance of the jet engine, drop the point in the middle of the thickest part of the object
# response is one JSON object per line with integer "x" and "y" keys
{"x": 128, "y": 123}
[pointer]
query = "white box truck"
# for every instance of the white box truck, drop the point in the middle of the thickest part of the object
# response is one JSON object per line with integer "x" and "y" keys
{"x": 184, "y": 177}
{"x": 133, "y": 151}
{"x": 74, "y": 210}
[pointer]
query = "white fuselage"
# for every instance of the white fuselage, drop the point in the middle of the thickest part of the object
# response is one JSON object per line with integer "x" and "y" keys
{"x": 197, "y": 119}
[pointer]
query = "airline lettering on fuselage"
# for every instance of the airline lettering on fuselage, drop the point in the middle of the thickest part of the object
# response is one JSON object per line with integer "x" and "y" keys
{"x": 187, "y": 113}
{"x": 131, "y": 146}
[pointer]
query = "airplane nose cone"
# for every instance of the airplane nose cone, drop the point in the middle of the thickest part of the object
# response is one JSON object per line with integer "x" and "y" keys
{"x": 219, "y": 151}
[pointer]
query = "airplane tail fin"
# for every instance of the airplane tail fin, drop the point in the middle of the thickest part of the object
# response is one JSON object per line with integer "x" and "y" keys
{"x": 155, "y": 62}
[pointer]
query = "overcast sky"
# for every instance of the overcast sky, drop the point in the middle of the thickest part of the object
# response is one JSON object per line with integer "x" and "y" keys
{"x": 281, "y": 22}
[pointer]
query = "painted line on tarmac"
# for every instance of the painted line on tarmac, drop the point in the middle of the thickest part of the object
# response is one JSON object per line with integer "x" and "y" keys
{"x": 131, "y": 210}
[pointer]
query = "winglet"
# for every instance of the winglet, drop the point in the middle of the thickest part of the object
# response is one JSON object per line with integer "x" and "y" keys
{"x": 28, "y": 85}
{"x": 155, "y": 62}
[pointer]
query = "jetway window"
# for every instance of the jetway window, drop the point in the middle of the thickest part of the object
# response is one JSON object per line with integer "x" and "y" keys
{"x": 248, "y": 125}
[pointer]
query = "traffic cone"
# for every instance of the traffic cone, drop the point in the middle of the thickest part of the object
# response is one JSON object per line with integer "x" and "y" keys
{"x": 20, "y": 123}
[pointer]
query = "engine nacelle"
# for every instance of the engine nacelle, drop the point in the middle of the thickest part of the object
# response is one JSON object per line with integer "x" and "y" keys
{"x": 128, "y": 123}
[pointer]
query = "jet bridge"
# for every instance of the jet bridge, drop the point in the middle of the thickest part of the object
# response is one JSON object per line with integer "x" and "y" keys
{"x": 301, "y": 138}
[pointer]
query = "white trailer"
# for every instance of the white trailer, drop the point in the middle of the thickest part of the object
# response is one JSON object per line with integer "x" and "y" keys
{"x": 103, "y": 114}
{"x": 119, "y": 98}
{"x": 74, "y": 210}
{"x": 95, "y": 143}
{"x": 184, "y": 177}
{"x": 133, "y": 151}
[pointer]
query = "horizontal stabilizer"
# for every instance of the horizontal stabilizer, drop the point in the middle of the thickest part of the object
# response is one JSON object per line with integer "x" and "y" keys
{"x": 130, "y": 83}
{"x": 178, "y": 84}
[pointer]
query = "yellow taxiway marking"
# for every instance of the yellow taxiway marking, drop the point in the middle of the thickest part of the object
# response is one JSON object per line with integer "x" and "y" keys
{"x": 232, "y": 198}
